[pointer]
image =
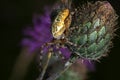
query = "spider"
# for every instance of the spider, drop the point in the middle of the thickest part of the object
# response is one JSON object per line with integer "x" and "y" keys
{"x": 60, "y": 30}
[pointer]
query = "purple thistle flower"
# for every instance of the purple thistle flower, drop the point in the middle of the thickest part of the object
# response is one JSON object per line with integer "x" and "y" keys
{"x": 40, "y": 34}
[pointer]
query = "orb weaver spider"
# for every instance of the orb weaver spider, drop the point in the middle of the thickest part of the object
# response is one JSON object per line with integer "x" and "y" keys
{"x": 60, "y": 31}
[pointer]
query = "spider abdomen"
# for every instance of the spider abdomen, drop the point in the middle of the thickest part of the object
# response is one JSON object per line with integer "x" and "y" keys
{"x": 58, "y": 26}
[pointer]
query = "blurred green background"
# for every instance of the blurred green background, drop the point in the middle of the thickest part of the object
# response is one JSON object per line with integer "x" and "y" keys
{"x": 17, "y": 14}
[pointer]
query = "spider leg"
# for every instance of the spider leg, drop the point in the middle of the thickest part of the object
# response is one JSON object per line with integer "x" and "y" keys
{"x": 42, "y": 51}
{"x": 53, "y": 42}
{"x": 74, "y": 56}
{"x": 73, "y": 28}
{"x": 72, "y": 44}
{"x": 49, "y": 54}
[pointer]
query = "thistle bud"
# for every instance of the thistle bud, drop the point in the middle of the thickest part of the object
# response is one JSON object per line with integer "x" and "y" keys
{"x": 92, "y": 29}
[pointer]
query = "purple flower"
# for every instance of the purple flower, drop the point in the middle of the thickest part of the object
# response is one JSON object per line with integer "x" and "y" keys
{"x": 40, "y": 34}
{"x": 90, "y": 65}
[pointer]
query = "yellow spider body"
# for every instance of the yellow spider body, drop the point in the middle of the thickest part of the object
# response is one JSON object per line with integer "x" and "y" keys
{"x": 61, "y": 23}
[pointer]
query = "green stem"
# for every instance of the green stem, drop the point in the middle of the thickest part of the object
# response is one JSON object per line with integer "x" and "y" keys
{"x": 59, "y": 73}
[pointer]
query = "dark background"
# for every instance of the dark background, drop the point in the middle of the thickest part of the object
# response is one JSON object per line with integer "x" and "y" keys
{"x": 16, "y": 14}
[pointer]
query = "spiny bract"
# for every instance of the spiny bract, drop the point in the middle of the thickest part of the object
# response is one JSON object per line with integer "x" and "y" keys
{"x": 92, "y": 29}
